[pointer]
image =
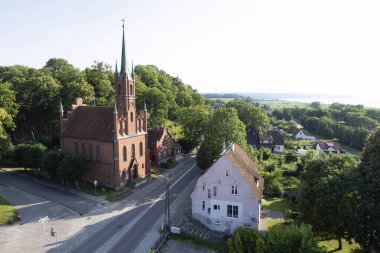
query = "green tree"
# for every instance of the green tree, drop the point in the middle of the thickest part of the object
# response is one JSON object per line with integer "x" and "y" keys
{"x": 223, "y": 129}
{"x": 365, "y": 224}
{"x": 71, "y": 168}
{"x": 248, "y": 237}
{"x": 50, "y": 161}
{"x": 252, "y": 116}
{"x": 101, "y": 78}
{"x": 323, "y": 200}
{"x": 193, "y": 121}
{"x": 260, "y": 246}
{"x": 32, "y": 155}
{"x": 235, "y": 244}
{"x": 294, "y": 239}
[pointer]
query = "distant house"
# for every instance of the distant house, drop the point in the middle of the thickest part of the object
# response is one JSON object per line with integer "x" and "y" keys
{"x": 228, "y": 194}
{"x": 300, "y": 134}
{"x": 329, "y": 148}
{"x": 273, "y": 140}
{"x": 162, "y": 146}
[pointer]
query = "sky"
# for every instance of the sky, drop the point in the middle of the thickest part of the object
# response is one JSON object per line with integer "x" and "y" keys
{"x": 281, "y": 46}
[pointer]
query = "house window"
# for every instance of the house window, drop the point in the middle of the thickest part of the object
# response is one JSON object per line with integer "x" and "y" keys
{"x": 232, "y": 211}
{"x": 124, "y": 153}
{"x": 90, "y": 153}
{"x": 84, "y": 151}
{"x": 208, "y": 210}
{"x": 227, "y": 173}
{"x": 76, "y": 148}
{"x": 217, "y": 222}
{"x": 203, "y": 186}
{"x": 131, "y": 116}
{"x": 209, "y": 193}
{"x": 141, "y": 149}
{"x": 203, "y": 205}
{"x": 214, "y": 190}
{"x": 216, "y": 207}
{"x": 133, "y": 151}
{"x": 234, "y": 190}
{"x": 97, "y": 153}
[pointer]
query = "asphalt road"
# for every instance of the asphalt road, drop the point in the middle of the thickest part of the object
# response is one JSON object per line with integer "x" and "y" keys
{"x": 125, "y": 232}
{"x": 26, "y": 183}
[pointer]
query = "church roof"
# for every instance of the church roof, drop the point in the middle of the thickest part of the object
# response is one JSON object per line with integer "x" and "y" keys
{"x": 91, "y": 122}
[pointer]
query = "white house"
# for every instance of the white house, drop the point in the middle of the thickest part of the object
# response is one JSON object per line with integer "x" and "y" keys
{"x": 228, "y": 194}
{"x": 300, "y": 134}
{"x": 329, "y": 148}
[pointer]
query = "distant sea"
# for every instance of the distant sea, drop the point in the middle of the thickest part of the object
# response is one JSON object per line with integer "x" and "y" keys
{"x": 323, "y": 98}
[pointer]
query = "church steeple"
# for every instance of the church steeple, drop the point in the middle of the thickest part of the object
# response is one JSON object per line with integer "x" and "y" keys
{"x": 123, "y": 69}
{"x": 116, "y": 71}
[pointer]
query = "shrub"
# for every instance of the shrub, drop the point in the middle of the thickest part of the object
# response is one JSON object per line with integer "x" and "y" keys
{"x": 248, "y": 237}
{"x": 71, "y": 167}
{"x": 50, "y": 162}
{"x": 294, "y": 239}
{"x": 32, "y": 155}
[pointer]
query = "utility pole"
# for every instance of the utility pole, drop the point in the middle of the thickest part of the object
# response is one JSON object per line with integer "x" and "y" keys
{"x": 167, "y": 206}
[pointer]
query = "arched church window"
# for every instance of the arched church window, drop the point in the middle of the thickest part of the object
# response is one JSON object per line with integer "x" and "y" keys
{"x": 97, "y": 151}
{"x": 141, "y": 149}
{"x": 76, "y": 148}
{"x": 130, "y": 90}
{"x": 124, "y": 153}
{"x": 133, "y": 151}
{"x": 90, "y": 153}
{"x": 84, "y": 151}
{"x": 131, "y": 116}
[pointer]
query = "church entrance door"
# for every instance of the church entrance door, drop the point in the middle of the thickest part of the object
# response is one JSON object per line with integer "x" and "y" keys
{"x": 135, "y": 172}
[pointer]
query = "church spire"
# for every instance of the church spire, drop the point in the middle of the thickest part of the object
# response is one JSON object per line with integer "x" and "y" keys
{"x": 61, "y": 107}
{"x": 133, "y": 71}
{"x": 123, "y": 56}
{"x": 116, "y": 70}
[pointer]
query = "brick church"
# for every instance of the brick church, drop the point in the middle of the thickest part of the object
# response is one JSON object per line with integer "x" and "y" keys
{"x": 113, "y": 140}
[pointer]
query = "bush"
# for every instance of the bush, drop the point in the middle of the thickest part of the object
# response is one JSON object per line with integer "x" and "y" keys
{"x": 71, "y": 167}
{"x": 248, "y": 237}
{"x": 50, "y": 162}
{"x": 165, "y": 165}
{"x": 32, "y": 155}
{"x": 294, "y": 239}
{"x": 28, "y": 155}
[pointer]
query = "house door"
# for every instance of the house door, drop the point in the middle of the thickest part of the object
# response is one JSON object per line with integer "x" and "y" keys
{"x": 135, "y": 172}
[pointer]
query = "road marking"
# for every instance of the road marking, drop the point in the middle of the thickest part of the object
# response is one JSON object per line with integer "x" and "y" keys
{"x": 160, "y": 197}
{"x": 117, "y": 237}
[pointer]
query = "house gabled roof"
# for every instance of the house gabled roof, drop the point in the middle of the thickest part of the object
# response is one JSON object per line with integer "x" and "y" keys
{"x": 246, "y": 167}
{"x": 296, "y": 131}
{"x": 273, "y": 135}
{"x": 277, "y": 137}
{"x": 90, "y": 122}
{"x": 154, "y": 134}
{"x": 329, "y": 144}
{"x": 252, "y": 138}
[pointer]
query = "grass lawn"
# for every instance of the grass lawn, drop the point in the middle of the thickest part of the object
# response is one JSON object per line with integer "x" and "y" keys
{"x": 109, "y": 194}
{"x": 276, "y": 225}
{"x": 332, "y": 245}
{"x": 279, "y": 104}
{"x": 277, "y": 204}
{"x": 7, "y": 211}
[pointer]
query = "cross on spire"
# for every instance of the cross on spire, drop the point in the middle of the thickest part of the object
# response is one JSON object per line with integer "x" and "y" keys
{"x": 123, "y": 20}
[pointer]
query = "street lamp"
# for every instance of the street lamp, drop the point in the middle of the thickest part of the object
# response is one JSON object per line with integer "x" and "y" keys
{"x": 54, "y": 234}
{"x": 95, "y": 183}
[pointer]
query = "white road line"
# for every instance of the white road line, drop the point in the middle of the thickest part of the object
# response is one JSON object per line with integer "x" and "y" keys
{"x": 117, "y": 237}
{"x": 160, "y": 197}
